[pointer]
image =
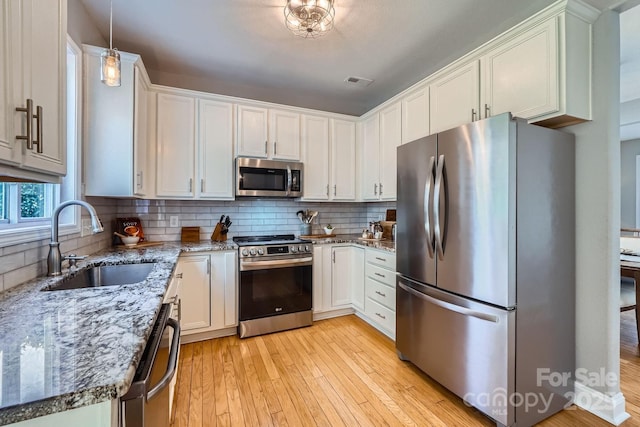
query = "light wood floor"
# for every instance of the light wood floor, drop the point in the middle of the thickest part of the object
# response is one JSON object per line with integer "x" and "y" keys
{"x": 339, "y": 372}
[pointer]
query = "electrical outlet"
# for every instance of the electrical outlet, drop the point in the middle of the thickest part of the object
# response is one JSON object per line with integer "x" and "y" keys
{"x": 86, "y": 229}
{"x": 173, "y": 221}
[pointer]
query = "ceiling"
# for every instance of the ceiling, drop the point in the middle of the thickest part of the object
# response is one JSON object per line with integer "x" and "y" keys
{"x": 242, "y": 47}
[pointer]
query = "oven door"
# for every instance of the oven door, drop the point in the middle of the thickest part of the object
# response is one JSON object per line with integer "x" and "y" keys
{"x": 271, "y": 287}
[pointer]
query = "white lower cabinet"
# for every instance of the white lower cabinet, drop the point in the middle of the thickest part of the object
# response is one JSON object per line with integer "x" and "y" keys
{"x": 380, "y": 290}
{"x": 338, "y": 280}
{"x": 208, "y": 293}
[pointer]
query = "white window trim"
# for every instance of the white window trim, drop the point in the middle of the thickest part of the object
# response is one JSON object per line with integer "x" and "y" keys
{"x": 10, "y": 237}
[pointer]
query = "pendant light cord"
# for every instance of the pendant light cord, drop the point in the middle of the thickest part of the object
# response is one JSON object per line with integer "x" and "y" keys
{"x": 111, "y": 27}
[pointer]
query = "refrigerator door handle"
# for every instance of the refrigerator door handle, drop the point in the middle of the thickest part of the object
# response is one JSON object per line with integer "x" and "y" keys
{"x": 427, "y": 197}
{"x": 436, "y": 207}
{"x": 449, "y": 306}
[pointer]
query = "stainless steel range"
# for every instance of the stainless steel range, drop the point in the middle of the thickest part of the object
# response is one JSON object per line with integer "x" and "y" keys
{"x": 275, "y": 283}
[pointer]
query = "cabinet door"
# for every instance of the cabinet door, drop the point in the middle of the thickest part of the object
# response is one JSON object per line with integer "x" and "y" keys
{"x": 315, "y": 149}
{"x": 370, "y": 158}
{"x": 252, "y": 131}
{"x": 415, "y": 114}
{"x": 141, "y": 174}
{"x": 357, "y": 277}
{"x": 215, "y": 145}
{"x": 455, "y": 98}
{"x": 8, "y": 99}
{"x": 195, "y": 292}
{"x": 45, "y": 49}
{"x": 223, "y": 290}
{"x": 521, "y": 76}
{"x": 343, "y": 160}
{"x": 390, "y": 139}
{"x": 284, "y": 134}
{"x": 319, "y": 286}
{"x": 341, "y": 276}
{"x": 176, "y": 146}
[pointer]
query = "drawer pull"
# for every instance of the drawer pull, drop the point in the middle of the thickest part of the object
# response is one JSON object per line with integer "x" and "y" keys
{"x": 178, "y": 275}
{"x": 380, "y": 275}
{"x": 381, "y": 294}
{"x": 381, "y": 259}
{"x": 382, "y": 316}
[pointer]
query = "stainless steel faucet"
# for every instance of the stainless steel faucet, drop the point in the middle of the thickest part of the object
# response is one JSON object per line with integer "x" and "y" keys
{"x": 54, "y": 260}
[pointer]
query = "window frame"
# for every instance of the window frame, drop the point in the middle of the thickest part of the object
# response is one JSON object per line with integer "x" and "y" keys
{"x": 70, "y": 186}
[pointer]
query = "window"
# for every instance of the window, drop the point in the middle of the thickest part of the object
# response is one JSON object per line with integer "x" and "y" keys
{"x": 26, "y": 208}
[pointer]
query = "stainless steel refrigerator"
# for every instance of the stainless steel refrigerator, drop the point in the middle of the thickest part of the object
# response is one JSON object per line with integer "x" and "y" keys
{"x": 486, "y": 265}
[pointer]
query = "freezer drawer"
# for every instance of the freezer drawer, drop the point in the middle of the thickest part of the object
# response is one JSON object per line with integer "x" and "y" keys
{"x": 466, "y": 346}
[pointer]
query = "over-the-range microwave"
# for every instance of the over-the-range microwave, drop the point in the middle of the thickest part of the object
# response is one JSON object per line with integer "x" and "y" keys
{"x": 268, "y": 178}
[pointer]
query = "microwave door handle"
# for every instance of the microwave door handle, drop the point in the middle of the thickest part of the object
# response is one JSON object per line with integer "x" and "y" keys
{"x": 171, "y": 364}
{"x": 289, "y": 180}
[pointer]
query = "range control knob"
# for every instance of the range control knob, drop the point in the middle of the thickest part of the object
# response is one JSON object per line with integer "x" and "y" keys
{"x": 245, "y": 252}
{"x": 260, "y": 251}
{"x": 301, "y": 248}
{"x": 307, "y": 248}
{"x": 253, "y": 251}
{"x": 293, "y": 249}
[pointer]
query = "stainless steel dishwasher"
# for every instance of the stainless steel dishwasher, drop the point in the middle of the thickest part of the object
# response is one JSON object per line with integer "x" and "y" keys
{"x": 146, "y": 403}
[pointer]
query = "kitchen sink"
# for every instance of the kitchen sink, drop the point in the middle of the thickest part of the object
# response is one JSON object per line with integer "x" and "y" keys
{"x": 105, "y": 275}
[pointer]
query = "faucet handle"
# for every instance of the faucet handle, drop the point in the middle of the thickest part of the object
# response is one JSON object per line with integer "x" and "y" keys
{"x": 73, "y": 259}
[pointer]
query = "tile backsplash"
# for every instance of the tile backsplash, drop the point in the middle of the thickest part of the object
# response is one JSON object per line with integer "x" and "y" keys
{"x": 249, "y": 217}
{"x": 26, "y": 261}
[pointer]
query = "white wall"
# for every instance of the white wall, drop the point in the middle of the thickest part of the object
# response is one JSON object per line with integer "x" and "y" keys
{"x": 81, "y": 27}
{"x": 598, "y": 213}
{"x": 628, "y": 152}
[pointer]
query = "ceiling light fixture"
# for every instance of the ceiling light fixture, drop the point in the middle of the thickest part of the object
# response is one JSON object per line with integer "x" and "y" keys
{"x": 110, "y": 59}
{"x": 309, "y": 18}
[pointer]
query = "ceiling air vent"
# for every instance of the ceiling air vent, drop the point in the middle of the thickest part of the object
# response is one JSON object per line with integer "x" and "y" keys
{"x": 358, "y": 81}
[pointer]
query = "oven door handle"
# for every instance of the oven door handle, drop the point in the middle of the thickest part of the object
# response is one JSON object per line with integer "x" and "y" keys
{"x": 279, "y": 263}
{"x": 172, "y": 364}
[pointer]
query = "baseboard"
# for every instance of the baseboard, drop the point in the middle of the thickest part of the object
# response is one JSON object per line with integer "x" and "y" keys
{"x": 332, "y": 313}
{"x": 190, "y": 337}
{"x": 609, "y": 408}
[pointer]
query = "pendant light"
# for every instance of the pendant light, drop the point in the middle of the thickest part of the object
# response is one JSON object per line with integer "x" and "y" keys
{"x": 309, "y": 18}
{"x": 110, "y": 59}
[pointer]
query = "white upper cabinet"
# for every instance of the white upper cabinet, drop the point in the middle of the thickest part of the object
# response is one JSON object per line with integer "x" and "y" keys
{"x": 381, "y": 136}
{"x": 117, "y": 157}
{"x": 455, "y": 98}
{"x": 521, "y": 76}
{"x": 343, "y": 160}
{"x": 390, "y": 139}
{"x": 315, "y": 149}
{"x": 540, "y": 70}
{"x": 215, "y": 145}
{"x": 415, "y": 114}
{"x": 284, "y": 135}
{"x": 370, "y": 135}
{"x": 268, "y": 133}
{"x": 175, "y": 170}
{"x": 33, "y": 66}
{"x": 329, "y": 147}
{"x": 253, "y": 134}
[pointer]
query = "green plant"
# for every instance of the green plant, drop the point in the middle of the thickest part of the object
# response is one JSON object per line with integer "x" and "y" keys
{"x": 329, "y": 227}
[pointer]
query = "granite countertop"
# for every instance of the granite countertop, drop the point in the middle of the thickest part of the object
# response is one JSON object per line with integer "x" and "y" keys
{"x": 61, "y": 350}
{"x": 384, "y": 244}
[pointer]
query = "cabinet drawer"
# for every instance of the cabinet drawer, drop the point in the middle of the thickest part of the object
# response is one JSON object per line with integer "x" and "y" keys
{"x": 381, "y": 258}
{"x": 380, "y": 274}
{"x": 380, "y": 314}
{"x": 383, "y": 294}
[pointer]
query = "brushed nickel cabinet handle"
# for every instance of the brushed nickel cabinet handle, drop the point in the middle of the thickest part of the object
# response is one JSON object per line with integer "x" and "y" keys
{"x": 190, "y": 185}
{"x": 381, "y": 189}
{"x": 275, "y": 148}
{"x": 335, "y": 189}
{"x": 381, "y": 259}
{"x": 39, "y": 120}
{"x": 141, "y": 179}
{"x": 375, "y": 189}
{"x": 178, "y": 275}
{"x": 381, "y": 316}
{"x": 380, "y": 275}
{"x": 381, "y": 294}
{"x": 202, "y": 185}
{"x": 266, "y": 148}
{"x": 29, "y": 110}
{"x": 327, "y": 190}
{"x": 473, "y": 114}
{"x": 487, "y": 111}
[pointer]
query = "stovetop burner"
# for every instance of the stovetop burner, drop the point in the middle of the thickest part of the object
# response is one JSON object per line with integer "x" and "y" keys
{"x": 276, "y": 239}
